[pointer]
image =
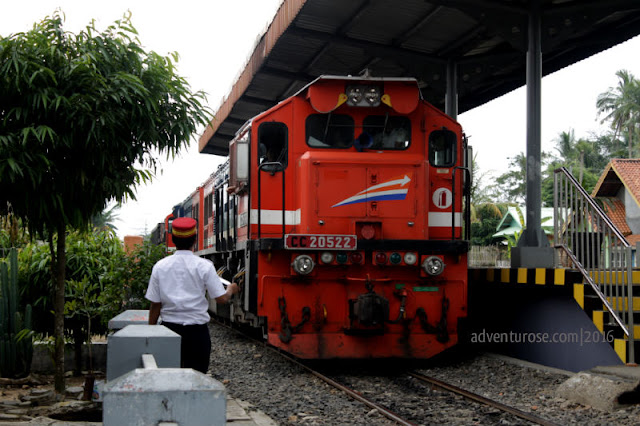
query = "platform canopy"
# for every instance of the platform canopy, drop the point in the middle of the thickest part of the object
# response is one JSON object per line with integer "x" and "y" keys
{"x": 476, "y": 47}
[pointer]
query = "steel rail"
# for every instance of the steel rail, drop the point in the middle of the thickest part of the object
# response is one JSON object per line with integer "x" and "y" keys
{"x": 483, "y": 400}
{"x": 388, "y": 413}
{"x": 350, "y": 392}
{"x": 353, "y": 394}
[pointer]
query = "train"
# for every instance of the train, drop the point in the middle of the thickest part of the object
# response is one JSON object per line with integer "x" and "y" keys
{"x": 343, "y": 214}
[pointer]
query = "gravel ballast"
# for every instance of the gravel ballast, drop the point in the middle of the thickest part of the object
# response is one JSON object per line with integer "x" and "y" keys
{"x": 291, "y": 395}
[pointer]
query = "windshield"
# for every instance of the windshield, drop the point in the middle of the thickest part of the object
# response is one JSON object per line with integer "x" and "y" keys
{"x": 388, "y": 132}
{"x": 330, "y": 130}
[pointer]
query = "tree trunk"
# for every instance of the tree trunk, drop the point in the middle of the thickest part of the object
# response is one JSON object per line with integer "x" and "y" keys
{"x": 78, "y": 342}
{"x": 581, "y": 174}
{"x": 630, "y": 130}
{"x": 58, "y": 307}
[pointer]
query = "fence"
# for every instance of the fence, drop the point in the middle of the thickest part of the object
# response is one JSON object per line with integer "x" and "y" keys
{"x": 489, "y": 256}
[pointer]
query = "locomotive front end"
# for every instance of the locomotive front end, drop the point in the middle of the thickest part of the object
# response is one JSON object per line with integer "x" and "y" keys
{"x": 357, "y": 222}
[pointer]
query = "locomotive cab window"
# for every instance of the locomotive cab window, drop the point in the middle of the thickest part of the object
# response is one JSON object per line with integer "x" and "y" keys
{"x": 329, "y": 130}
{"x": 273, "y": 145}
{"x": 388, "y": 132}
{"x": 442, "y": 148}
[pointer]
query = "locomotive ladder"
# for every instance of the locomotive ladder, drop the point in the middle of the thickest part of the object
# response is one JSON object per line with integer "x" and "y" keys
{"x": 587, "y": 240}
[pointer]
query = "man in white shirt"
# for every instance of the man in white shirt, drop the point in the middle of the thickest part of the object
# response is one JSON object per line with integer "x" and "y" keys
{"x": 177, "y": 290}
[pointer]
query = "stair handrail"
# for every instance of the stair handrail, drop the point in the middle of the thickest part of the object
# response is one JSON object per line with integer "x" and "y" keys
{"x": 589, "y": 200}
{"x": 595, "y": 288}
{"x": 606, "y": 222}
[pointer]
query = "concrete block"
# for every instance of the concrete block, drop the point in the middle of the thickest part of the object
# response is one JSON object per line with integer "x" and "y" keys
{"x": 154, "y": 396}
{"x": 125, "y": 348}
{"x": 596, "y": 390}
{"x": 129, "y": 317}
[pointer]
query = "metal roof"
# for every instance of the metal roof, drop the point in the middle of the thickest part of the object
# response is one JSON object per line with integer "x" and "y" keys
{"x": 485, "y": 39}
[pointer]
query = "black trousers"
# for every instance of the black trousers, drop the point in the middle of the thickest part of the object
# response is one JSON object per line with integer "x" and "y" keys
{"x": 195, "y": 347}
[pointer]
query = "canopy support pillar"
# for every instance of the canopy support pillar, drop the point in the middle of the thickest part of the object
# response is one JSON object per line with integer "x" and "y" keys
{"x": 533, "y": 250}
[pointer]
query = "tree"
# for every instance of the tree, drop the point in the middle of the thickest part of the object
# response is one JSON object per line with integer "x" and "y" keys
{"x": 124, "y": 286}
{"x": 81, "y": 117}
{"x": 485, "y": 222}
{"x": 621, "y": 106}
{"x": 569, "y": 157}
{"x": 479, "y": 191}
{"x": 105, "y": 219}
{"x": 609, "y": 147}
{"x": 584, "y": 158}
{"x": 512, "y": 185}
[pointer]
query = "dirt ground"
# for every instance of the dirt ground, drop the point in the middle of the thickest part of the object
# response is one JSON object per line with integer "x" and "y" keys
{"x": 34, "y": 397}
{"x": 13, "y": 392}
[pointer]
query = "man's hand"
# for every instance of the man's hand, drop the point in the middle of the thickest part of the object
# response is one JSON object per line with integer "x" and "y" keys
{"x": 226, "y": 297}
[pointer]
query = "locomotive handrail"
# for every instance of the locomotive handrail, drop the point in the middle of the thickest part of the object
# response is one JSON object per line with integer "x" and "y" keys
{"x": 467, "y": 230}
{"x": 368, "y": 279}
{"x": 277, "y": 167}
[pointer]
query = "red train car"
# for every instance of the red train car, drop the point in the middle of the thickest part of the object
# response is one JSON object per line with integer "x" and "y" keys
{"x": 341, "y": 211}
{"x": 207, "y": 214}
{"x": 169, "y": 238}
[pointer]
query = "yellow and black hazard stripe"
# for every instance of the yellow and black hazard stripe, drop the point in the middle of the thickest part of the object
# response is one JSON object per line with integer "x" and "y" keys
{"x": 528, "y": 276}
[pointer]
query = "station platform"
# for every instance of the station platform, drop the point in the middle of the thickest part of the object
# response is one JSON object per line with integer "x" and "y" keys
{"x": 548, "y": 316}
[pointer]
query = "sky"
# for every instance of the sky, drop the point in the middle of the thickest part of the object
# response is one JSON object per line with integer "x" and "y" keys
{"x": 214, "y": 39}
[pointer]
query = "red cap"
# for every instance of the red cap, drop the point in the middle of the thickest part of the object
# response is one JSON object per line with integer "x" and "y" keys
{"x": 183, "y": 227}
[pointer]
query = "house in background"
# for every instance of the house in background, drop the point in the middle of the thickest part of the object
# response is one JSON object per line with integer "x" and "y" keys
{"x": 619, "y": 187}
{"x": 513, "y": 220}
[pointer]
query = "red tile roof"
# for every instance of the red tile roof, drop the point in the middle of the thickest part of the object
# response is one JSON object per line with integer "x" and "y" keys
{"x": 614, "y": 208}
{"x": 633, "y": 239}
{"x": 619, "y": 172}
{"x": 629, "y": 173}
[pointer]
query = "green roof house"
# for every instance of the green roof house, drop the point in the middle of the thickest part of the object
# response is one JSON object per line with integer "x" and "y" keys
{"x": 513, "y": 220}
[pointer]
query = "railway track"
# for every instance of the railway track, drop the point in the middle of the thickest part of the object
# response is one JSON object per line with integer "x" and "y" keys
{"x": 391, "y": 415}
{"x": 352, "y": 393}
{"x": 483, "y": 400}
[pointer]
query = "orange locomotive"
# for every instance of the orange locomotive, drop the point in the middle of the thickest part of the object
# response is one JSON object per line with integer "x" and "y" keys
{"x": 340, "y": 212}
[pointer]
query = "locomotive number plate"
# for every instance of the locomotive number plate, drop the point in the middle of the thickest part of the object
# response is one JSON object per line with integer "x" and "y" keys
{"x": 320, "y": 242}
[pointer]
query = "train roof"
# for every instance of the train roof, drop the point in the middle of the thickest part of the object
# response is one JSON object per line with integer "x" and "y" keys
{"x": 487, "y": 41}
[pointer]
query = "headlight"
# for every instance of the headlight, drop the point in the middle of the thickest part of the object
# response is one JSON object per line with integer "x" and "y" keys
{"x": 354, "y": 95}
{"x": 364, "y": 96}
{"x": 433, "y": 265}
{"x": 372, "y": 95}
{"x": 303, "y": 264}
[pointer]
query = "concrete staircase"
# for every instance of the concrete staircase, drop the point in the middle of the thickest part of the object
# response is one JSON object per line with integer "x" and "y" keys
{"x": 604, "y": 321}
